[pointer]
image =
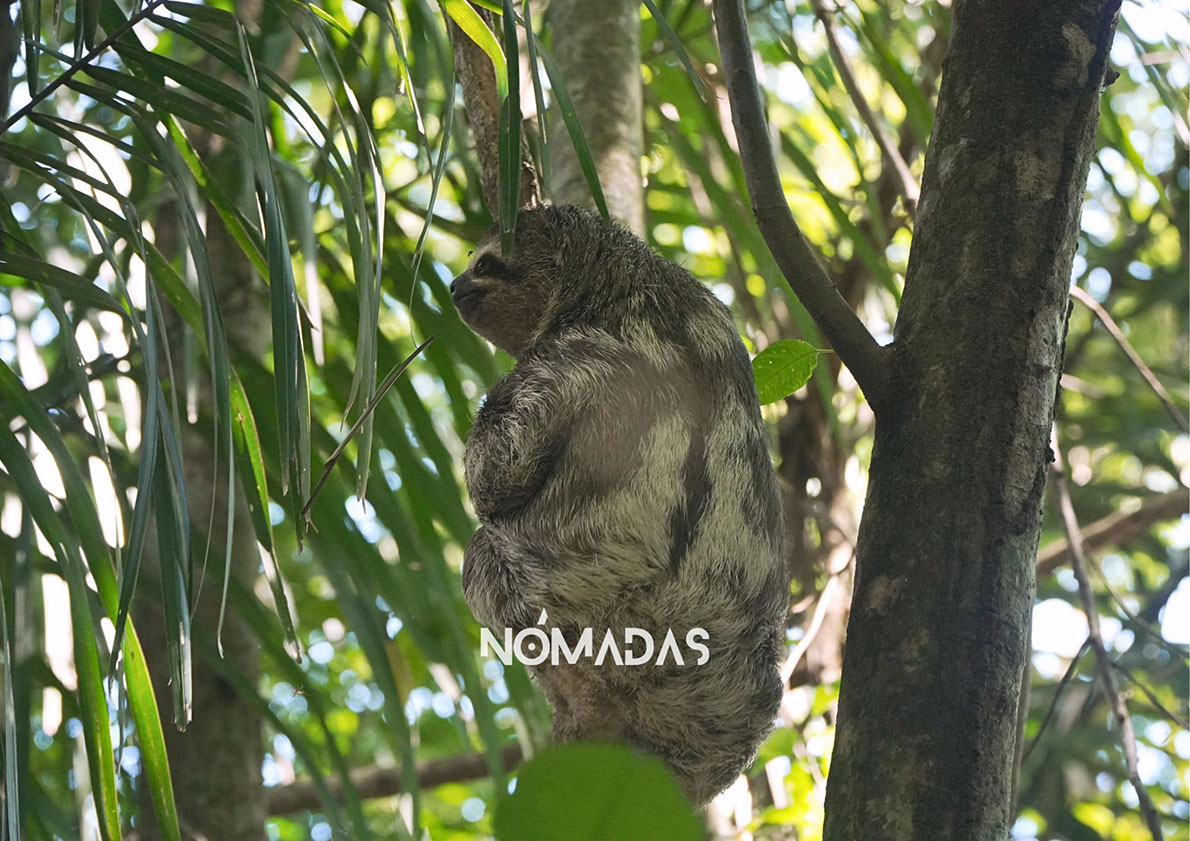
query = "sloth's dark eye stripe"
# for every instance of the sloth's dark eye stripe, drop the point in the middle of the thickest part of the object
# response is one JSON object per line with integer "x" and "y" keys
{"x": 489, "y": 265}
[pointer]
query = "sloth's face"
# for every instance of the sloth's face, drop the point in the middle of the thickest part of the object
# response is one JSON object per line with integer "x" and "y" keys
{"x": 499, "y": 297}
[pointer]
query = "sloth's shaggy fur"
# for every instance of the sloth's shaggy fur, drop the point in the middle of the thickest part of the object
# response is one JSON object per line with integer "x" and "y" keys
{"x": 622, "y": 479}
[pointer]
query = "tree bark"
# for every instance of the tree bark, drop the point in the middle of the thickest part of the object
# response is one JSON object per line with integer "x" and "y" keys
{"x": 481, "y": 103}
{"x": 597, "y": 47}
{"x": 938, "y": 633}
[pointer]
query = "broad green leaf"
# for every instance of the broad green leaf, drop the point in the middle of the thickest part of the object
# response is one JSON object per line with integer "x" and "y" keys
{"x": 782, "y": 368}
{"x": 596, "y": 792}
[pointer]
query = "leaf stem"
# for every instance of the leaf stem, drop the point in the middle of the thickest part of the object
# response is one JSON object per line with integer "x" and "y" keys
{"x": 80, "y": 64}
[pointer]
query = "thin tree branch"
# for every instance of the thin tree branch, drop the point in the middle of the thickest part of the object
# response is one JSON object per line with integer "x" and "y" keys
{"x": 375, "y": 781}
{"x": 820, "y": 609}
{"x": 1084, "y": 298}
{"x": 910, "y": 192}
{"x": 1103, "y": 662}
{"x": 1022, "y": 721}
{"x": 1176, "y": 718}
{"x": 838, "y": 322}
{"x": 481, "y": 103}
{"x": 359, "y": 422}
{"x": 1070, "y": 672}
{"x": 1151, "y": 611}
{"x": 81, "y": 64}
{"x": 1116, "y": 529}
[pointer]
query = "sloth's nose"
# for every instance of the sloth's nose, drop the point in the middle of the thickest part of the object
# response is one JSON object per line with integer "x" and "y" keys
{"x": 461, "y": 285}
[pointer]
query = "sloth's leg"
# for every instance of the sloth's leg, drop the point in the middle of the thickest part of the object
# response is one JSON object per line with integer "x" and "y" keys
{"x": 491, "y": 585}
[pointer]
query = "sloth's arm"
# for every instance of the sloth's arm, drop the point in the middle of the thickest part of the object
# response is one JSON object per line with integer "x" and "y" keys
{"x": 570, "y": 406}
{"x": 515, "y": 443}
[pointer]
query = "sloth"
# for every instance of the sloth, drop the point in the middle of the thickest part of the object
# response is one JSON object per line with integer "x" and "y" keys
{"x": 621, "y": 476}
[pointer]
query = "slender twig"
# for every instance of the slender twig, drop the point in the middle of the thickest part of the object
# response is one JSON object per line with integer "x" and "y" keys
{"x": 910, "y": 192}
{"x": 80, "y": 64}
{"x": 1177, "y": 719}
{"x": 359, "y": 422}
{"x": 838, "y": 322}
{"x": 1135, "y": 623}
{"x": 1103, "y": 662}
{"x": 820, "y": 610}
{"x": 1070, "y": 672}
{"x": 1116, "y": 529}
{"x": 1084, "y": 298}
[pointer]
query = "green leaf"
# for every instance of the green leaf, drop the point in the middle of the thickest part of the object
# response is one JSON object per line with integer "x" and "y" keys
{"x": 213, "y": 331}
{"x": 146, "y": 475}
{"x": 164, "y": 100}
{"x": 252, "y": 468}
{"x": 202, "y": 83}
{"x": 147, "y": 717}
{"x": 241, "y": 231}
{"x": 68, "y": 283}
{"x": 173, "y": 549}
{"x": 364, "y": 417}
{"x": 782, "y": 368}
{"x": 394, "y": 23}
{"x": 78, "y": 370}
{"x": 510, "y": 135}
{"x": 596, "y": 792}
{"x": 543, "y": 157}
{"x": 287, "y": 341}
{"x": 92, "y": 698}
{"x": 10, "y": 818}
{"x": 472, "y": 24}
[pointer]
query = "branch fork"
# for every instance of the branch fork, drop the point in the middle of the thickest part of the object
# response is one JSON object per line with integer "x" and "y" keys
{"x": 857, "y": 348}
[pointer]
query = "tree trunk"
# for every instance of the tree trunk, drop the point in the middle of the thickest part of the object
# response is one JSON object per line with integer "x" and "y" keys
{"x": 938, "y": 632}
{"x": 597, "y": 46}
{"x": 216, "y": 762}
